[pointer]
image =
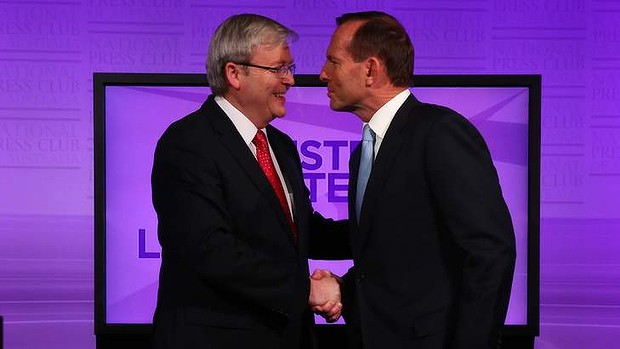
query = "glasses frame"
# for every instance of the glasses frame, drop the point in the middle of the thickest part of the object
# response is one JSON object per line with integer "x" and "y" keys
{"x": 279, "y": 71}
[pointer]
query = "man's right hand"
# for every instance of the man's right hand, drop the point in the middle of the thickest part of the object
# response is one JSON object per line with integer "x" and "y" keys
{"x": 325, "y": 297}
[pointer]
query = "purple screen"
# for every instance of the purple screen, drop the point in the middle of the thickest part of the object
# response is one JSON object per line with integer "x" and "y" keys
{"x": 136, "y": 116}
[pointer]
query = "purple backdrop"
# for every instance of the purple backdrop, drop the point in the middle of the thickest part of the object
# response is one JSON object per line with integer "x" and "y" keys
{"x": 137, "y": 116}
{"x": 49, "y": 49}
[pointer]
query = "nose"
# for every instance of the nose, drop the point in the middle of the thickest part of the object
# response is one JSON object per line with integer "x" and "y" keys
{"x": 288, "y": 79}
{"x": 323, "y": 75}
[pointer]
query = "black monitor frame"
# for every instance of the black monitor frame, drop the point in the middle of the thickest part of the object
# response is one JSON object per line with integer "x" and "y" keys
{"x": 532, "y": 82}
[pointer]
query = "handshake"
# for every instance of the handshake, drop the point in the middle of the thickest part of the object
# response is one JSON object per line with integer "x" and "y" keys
{"x": 325, "y": 295}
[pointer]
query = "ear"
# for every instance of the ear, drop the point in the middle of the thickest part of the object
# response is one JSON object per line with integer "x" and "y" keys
{"x": 373, "y": 70}
{"x": 233, "y": 75}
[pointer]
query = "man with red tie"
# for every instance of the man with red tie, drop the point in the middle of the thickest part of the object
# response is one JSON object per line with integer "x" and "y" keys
{"x": 234, "y": 216}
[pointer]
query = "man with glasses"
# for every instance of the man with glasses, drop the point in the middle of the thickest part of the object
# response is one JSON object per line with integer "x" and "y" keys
{"x": 234, "y": 216}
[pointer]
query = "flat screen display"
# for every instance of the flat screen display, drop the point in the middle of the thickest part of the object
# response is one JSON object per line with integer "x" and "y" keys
{"x": 134, "y": 114}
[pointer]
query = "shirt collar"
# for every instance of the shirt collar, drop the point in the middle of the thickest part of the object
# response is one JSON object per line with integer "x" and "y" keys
{"x": 244, "y": 126}
{"x": 382, "y": 118}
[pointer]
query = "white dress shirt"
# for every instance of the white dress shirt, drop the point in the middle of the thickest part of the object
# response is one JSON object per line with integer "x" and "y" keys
{"x": 247, "y": 130}
{"x": 382, "y": 119}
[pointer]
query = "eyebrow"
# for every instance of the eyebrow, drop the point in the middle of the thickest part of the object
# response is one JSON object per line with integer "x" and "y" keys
{"x": 278, "y": 63}
{"x": 283, "y": 62}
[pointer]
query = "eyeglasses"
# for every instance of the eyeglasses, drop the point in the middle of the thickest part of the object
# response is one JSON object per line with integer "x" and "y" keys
{"x": 280, "y": 71}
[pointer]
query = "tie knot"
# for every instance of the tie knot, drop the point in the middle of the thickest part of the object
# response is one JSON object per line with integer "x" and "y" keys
{"x": 369, "y": 135}
{"x": 260, "y": 140}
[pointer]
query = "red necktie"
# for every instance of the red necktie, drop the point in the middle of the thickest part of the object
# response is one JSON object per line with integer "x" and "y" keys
{"x": 264, "y": 160}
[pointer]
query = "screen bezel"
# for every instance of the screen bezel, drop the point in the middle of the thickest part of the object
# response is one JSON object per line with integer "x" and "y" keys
{"x": 531, "y": 82}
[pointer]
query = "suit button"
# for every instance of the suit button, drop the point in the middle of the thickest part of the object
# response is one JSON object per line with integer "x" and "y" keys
{"x": 360, "y": 278}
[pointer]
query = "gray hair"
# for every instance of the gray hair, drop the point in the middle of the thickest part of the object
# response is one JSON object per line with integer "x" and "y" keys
{"x": 235, "y": 40}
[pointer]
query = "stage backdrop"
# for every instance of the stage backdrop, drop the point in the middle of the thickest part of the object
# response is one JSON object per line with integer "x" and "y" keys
{"x": 136, "y": 116}
{"x": 49, "y": 49}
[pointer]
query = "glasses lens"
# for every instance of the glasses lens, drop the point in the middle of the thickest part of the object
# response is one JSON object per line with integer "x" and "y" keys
{"x": 285, "y": 69}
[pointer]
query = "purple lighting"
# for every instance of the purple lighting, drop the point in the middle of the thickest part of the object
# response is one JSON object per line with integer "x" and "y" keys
{"x": 136, "y": 117}
{"x": 49, "y": 50}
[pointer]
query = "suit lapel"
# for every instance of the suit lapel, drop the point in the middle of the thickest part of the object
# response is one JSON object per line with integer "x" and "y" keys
{"x": 231, "y": 139}
{"x": 292, "y": 177}
{"x": 354, "y": 164}
{"x": 390, "y": 147}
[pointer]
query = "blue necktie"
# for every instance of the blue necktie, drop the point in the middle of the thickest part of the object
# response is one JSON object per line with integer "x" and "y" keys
{"x": 366, "y": 158}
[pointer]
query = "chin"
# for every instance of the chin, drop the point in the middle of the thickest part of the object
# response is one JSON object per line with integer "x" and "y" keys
{"x": 279, "y": 113}
{"x": 335, "y": 107}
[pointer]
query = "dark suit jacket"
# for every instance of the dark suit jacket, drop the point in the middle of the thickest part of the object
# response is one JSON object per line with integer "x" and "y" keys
{"x": 434, "y": 250}
{"x": 231, "y": 275}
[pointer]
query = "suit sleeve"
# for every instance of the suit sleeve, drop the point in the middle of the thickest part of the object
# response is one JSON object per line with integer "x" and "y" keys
{"x": 194, "y": 228}
{"x": 467, "y": 194}
{"x": 328, "y": 239}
